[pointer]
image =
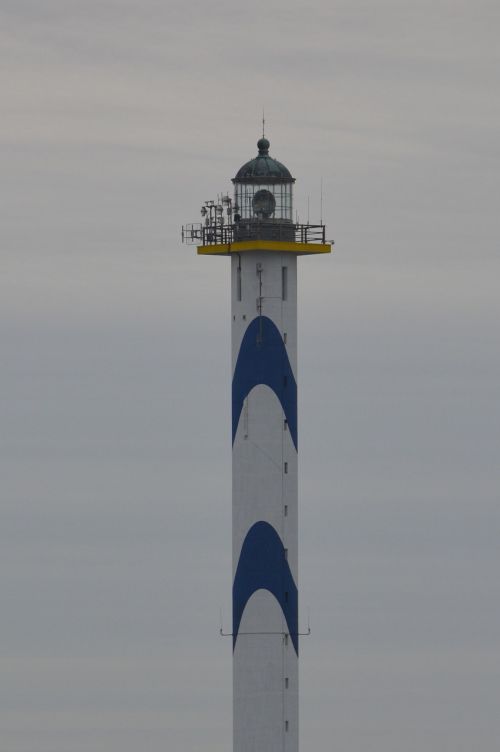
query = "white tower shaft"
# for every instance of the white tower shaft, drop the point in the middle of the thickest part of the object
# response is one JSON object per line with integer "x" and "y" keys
{"x": 265, "y": 549}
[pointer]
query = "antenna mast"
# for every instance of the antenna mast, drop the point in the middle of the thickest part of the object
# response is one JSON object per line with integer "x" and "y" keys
{"x": 321, "y": 202}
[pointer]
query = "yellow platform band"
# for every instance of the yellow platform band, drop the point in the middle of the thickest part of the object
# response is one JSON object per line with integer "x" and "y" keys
{"x": 279, "y": 246}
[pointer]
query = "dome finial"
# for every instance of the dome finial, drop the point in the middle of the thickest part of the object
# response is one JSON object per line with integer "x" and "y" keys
{"x": 263, "y": 143}
{"x": 263, "y": 147}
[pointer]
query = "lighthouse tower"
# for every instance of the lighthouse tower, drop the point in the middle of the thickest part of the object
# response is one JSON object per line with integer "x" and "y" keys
{"x": 255, "y": 228}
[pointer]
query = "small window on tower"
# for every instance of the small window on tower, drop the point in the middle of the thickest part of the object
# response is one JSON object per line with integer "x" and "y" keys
{"x": 286, "y": 554}
{"x": 238, "y": 283}
{"x": 284, "y": 282}
{"x": 286, "y": 510}
{"x": 286, "y": 467}
{"x": 286, "y": 682}
{"x": 284, "y": 337}
{"x": 286, "y": 725}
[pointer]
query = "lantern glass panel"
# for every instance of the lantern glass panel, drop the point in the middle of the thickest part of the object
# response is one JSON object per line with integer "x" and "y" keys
{"x": 248, "y": 209}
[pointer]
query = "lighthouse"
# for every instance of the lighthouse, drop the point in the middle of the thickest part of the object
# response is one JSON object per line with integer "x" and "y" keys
{"x": 255, "y": 228}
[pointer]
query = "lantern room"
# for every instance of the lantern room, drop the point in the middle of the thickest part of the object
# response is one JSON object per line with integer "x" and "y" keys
{"x": 263, "y": 189}
{"x": 260, "y": 216}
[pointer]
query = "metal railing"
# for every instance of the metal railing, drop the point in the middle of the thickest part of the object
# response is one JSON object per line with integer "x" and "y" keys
{"x": 223, "y": 234}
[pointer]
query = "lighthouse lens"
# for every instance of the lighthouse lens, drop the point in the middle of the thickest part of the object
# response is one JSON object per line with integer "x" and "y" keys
{"x": 263, "y": 203}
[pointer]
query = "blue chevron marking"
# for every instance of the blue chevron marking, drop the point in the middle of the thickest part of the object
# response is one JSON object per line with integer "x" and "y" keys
{"x": 263, "y": 359}
{"x": 262, "y": 565}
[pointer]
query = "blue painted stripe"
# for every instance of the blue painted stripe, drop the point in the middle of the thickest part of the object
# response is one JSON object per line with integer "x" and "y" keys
{"x": 262, "y": 565}
{"x": 263, "y": 359}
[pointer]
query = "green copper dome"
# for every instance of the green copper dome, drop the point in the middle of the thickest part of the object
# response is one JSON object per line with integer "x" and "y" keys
{"x": 263, "y": 168}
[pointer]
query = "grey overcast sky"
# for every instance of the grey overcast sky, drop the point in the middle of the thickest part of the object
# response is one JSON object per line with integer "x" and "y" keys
{"x": 118, "y": 119}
